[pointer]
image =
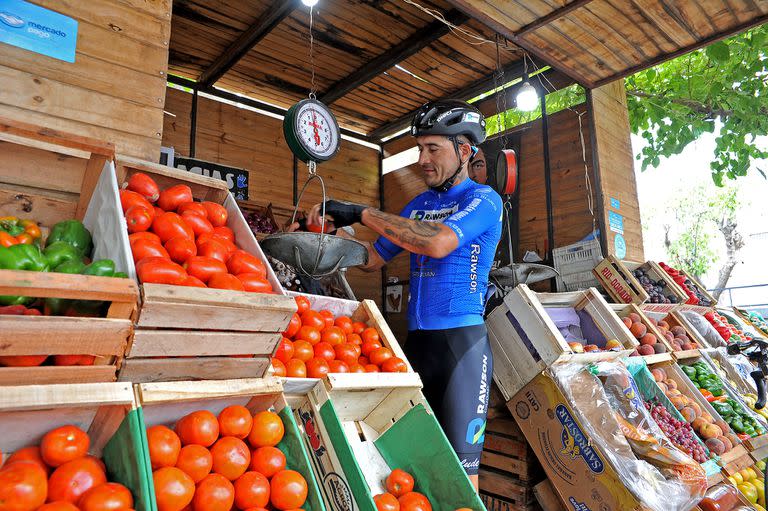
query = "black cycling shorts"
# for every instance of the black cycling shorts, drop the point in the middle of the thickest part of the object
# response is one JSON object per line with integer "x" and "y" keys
{"x": 456, "y": 367}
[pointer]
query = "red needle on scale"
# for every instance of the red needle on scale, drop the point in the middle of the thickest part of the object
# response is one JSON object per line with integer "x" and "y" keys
{"x": 316, "y": 127}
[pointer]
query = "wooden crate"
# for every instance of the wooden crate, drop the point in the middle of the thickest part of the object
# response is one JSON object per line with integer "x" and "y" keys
{"x": 359, "y": 427}
{"x": 702, "y": 290}
{"x": 247, "y": 206}
{"x": 167, "y": 402}
{"x": 673, "y": 318}
{"x": 619, "y": 282}
{"x": 547, "y": 497}
{"x": 525, "y": 340}
{"x": 212, "y": 325}
{"x": 106, "y": 411}
{"x": 521, "y": 499}
{"x": 30, "y": 189}
{"x": 744, "y": 316}
{"x": 624, "y": 310}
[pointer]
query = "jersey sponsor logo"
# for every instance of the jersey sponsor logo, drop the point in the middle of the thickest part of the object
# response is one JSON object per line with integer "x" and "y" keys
{"x": 474, "y": 258}
{"x": 470, "y": 464}
{"x": 575, "y": 444}
{"x": 432, "y": 215}
{"x": 475, "y": 431}
{"x": 484, "y": 390}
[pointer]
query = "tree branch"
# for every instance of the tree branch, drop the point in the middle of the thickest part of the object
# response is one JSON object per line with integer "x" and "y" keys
{"x": 696, "y": 106}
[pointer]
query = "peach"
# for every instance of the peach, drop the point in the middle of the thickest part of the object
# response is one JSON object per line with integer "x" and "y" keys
{"x": 723, "y": 425}
{"x": 715, "y": 445}
{"x": 649, "y": 339}
{"x": 645, "y": 350}
{"x": 659, "y": 348}
{"x": 687, "y": 346}
{"x": 663, "y": 387}
{"x": 676, "y": 346}
{"x": 659, "y": 374}
{"x": 669, "y": 336}
{"x": 708, "y": 417}
{"x": 698, "y": 423}
{"x": 728, "y": 444}
{"x": 733, "y": 439}
{"x": 638, "y": 330}
{"x": 672, "y": 384}
{"x": 677, "y": 330}
{"x": 663, "y": 324}
{"x": 711, "y": 431}
{"x": 591, "y": 347}
{"x": 673, "y": 392}
{"x": 634, "y": 317}
{"x": 613, "y": 344}
{"x": 653, "y": 321}
{"x": 627, "y": 322}
{"x": 677, "y": 402}
{"x": 696, "y": 408}
{"x": 688, "y": 413}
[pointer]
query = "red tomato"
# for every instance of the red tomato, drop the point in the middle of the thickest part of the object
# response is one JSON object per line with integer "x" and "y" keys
{"x": 159, "y": 270}
{"x": 253, "y": 283}
{"x": 251, "y": 490}
{"x": 171, "y": 225}
{"x": 363, "y": 361}
{"x": 139, "y": 218}
{"x": 191, "y": 281}
{"x": 267, "y": 430}
{"x": 22, "y": 360}
{"x": 302, "y": 350}
{"x": 369, "y": 346}
{"x": 370, "y": 334}
{"x": 173, "y": 489}
{"x": 288, "y": 490}
{"x": 64, "y": 444}
{"x": 58, "y": 506}
{"x": 197, "y": 222}
{"x": 293, "y": 326}
{"x": 324, "y": 350}
{"x": 72, "y": 479}
{"x": 149, "y": 236}
{"x": 372, "y": 368}
{"x": 354, "y": 339}
{"x": 394, "y": 365}
{"x": 74, "y": 360}
{"x": 386, "y": 502}
{"x": 399, "y": 482}
{"x": 225, "y": 232}
{"x": 217, "y": 214}
{"x": 278, "y": 367}
{"x": 164, "y": 446}
{"x": 268, "y": 461}
{"x": 284, "y": 350}
{"x": 30, "y": 453}
{"x": 158, "y": 211}
{"x": 214, "y": 493}
{"x": 144, "y": 186}
{"x": 309, "y": 334}
{"x": 333, "y": 335}
{"x": 195, "y": 461}
{"x": 414, "y": 501}
{"x": 225, "y": 281}
{"x": 196, "y": 207}
{"x": 356, "y": 368}
{"x": 180, "y": 249}
{"x": 203, "y": 238}
{"x": 142, "y": 249}
{"x": 313, "y": 319}
{"x": 129, "y": 198}
{"x": 204, "y": 267}
{"x": 302, "y": 302}
{"x": 173, "y": 197}
{"x": 380, "y": 355}
{"x": 200, "y": 428}
{"x": 358, "y": 327}
{"x": 337, "y": 366}
{"x": 327, "y": 317}
{"x": 317, "y": 368}
{"x": 236, "y": 421}
{"x": 213, "y": 248}
{"x": 231, "y": 457}
{"x": 345, "y": 324}
{"x": 346, "y": 353}
{"x": 106, "y": 497}
{"x": 241, "y": 261}
{"x": 296, "y": 368}
{"x": 23, "y": 486}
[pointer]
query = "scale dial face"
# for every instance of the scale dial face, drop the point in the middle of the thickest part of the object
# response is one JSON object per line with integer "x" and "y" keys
{"x": 314, "y": 129}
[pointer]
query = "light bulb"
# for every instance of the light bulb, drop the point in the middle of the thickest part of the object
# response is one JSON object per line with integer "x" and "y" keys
{"x": 527, "y": 98}
{"x": 309, "y": 3}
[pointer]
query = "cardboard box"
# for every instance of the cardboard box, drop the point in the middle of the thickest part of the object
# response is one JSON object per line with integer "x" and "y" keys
{"x": 547, "y": 497}
{"x": 525, "y": 340}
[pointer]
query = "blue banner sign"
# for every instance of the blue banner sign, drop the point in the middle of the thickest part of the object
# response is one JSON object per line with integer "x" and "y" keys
{"x": 37, "y": 29}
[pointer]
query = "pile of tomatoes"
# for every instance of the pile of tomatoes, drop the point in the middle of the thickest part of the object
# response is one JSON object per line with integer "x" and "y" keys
{"x": 60, "y": 472}
{"x": 316, "y": 343}
{"x": 222, "y": 463}
{"x": 177, "y": 241}
{"x": 400, "y": 495}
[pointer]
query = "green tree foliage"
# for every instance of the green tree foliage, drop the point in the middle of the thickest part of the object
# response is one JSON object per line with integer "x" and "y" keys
{"x": 724, "y": 84}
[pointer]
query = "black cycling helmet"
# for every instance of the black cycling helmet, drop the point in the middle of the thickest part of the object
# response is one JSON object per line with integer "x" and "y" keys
{"x": 449, "y": 117}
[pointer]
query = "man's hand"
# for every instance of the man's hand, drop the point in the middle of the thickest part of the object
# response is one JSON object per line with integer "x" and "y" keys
{"x": 343, "y": 213}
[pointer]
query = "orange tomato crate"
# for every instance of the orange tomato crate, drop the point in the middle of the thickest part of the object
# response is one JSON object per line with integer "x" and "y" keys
{"x": 52, "y": 176}
{"x": 230, "y": 334}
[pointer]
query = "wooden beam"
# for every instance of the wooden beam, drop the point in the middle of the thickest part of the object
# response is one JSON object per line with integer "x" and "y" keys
{"x": 470, "y": 8}
{"x": 682, "y": 51}
{"x": 398, "y": 53}
{"x": 552, "y": 16}
{"x": 280, "y": 10}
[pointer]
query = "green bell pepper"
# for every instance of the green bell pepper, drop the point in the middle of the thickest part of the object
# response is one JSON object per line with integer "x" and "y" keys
{"x": 100, "y": 268}
{"x": 59, "y": 306}
{"x": 75, "y": 267}
{"x": 120, "y": 274}
{"x": 690, "y": 372}
{"x": 61, "y": 252}
{"x": 12, "y": 226}
{"x": 21, "y": 257}
{"x": 737, "y": 425}
{"x": 723, "y": 409}
{"x": 74, "y": 233}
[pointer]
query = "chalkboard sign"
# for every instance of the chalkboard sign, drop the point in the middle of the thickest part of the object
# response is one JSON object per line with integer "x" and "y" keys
{"x": 237, "y": 179}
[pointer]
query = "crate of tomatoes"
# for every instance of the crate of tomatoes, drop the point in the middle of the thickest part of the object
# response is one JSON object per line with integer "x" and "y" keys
{"x": 66, "y": 303}
{"x": 221, "y": 445}
{"x": 74, "y": 446}
{"x": 332, "y": 335}
{"x": 206, "y": 289}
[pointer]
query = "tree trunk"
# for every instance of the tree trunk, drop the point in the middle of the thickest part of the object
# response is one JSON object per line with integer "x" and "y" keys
{"x": 733, "y": 243}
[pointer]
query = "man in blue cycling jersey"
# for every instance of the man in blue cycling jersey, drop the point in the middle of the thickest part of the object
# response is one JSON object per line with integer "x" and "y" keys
{"x": 451, "y": 231}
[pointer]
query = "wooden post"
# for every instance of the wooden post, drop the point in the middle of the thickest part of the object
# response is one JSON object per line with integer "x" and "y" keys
{"x": 616, "y": 186}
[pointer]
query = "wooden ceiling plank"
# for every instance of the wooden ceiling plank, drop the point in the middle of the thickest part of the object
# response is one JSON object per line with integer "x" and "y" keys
{"x": 609, "y": 52}
{"x": 606, "y": 11}
{"x": 409, "y": 46}
{"x": 652, "y": 22}
{"x": 686, "y": 49}
{"x": 626, "y": 39}
{"x": 552, "y": 16}
{"x": 280, "y": 10}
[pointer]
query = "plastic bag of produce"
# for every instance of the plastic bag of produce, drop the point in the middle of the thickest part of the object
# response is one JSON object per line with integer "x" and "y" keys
{"x": 608, "y": 403}
{"x": 704, "y": 328}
